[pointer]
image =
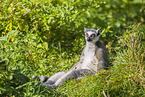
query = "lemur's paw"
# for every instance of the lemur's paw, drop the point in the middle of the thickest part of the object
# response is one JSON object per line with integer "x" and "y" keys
{"x": 40, "y": 78}
{"x": 34, "y": 76}
{"x": 49, "y": 85}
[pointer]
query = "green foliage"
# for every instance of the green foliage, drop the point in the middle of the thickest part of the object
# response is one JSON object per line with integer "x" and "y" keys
{"x": 125, "y": 77}
{"x": 65, "y": 20}
{"x": 44, "y": 37}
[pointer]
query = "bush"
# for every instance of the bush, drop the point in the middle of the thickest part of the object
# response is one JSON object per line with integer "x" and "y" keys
{"x": 125, "y": 77}
{"x": 44, "y": 37}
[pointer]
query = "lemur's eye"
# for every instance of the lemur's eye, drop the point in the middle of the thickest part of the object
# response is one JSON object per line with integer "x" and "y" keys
{"x": 87, "y": 35}
{"x": 93, "y": 35}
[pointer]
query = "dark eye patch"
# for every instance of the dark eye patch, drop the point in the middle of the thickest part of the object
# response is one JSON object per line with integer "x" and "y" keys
{"x": 87, "y": 35}
{"x": 93, "y": 35}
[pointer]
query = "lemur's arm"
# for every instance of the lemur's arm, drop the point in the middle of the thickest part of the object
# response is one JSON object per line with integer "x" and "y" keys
{"x": 76, "y": 66}
{"x": 102, "y": 57}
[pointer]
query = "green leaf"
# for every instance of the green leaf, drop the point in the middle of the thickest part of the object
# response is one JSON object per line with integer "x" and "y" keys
{"x": 2, "y": 38}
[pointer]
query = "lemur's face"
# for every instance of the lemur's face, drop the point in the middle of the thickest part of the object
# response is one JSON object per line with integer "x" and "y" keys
{"x": 92, "y": 35}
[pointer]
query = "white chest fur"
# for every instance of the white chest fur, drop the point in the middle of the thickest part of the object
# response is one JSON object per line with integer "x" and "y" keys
{"x": 90, "y": 61}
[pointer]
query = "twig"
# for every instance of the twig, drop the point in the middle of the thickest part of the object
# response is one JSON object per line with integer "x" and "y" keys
{"x": 104, "y": 94}
{"x": 31, "y": 9}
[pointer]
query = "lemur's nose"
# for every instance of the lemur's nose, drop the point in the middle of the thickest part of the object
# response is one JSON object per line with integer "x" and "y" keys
{"x": 88, "y": 39}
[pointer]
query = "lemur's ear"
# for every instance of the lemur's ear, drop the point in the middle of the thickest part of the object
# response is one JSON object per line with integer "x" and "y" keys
{"x": 85, "y": 29}
{"x": 98, "y": 32}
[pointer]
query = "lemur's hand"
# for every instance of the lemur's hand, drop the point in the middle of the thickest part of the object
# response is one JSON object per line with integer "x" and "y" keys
{"x": 49, "y": 86}
{"x": 40, "y": 78}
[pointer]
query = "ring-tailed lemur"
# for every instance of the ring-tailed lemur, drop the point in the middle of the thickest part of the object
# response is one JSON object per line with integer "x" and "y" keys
{"x": 93, "y": 58}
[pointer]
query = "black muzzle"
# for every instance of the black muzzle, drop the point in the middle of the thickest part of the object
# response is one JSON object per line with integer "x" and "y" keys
{"x": 88, "y": 39}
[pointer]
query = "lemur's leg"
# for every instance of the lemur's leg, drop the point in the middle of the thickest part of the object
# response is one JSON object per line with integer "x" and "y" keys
{"x": 54, "y": 78}
{"x": 83, "y": 72}
{"x": 49, "y": 80}
{"x": 70, "y": 74}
